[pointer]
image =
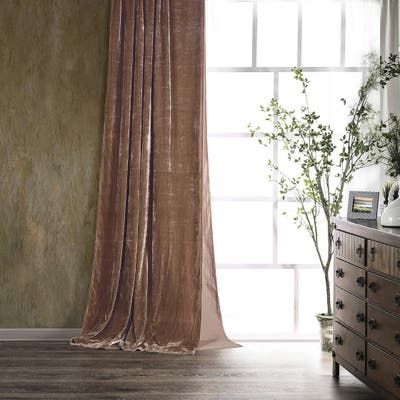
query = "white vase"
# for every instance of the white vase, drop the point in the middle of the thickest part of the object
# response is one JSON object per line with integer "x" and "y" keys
{"x": 391, "y": 215}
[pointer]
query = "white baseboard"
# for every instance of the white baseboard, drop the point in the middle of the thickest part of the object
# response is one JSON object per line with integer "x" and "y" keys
{"x": 38, "y": 334}
{"x": 65, "y": 334}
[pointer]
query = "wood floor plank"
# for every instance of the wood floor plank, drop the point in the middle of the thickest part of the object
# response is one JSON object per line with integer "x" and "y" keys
{"x": 258, "y": 371}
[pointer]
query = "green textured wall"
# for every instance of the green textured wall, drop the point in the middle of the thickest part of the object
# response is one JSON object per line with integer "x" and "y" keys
{"x": 53, "y": 56}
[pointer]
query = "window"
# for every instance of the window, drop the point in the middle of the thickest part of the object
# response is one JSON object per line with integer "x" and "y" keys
{"x": 269, "y": 280}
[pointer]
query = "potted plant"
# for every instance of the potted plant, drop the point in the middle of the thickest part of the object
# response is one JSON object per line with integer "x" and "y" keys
{"x": 385, "y": 190}
{"x": 323, "y": 165}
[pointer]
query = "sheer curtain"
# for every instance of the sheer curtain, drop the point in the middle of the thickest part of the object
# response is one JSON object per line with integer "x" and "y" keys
{"x": 390, "y": 42}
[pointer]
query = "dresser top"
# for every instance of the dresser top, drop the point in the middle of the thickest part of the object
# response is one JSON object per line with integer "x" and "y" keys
{"x": 370, "y": 229}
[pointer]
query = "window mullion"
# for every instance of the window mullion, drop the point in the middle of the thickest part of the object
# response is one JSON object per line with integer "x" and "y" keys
{"x": 275, "y": 186}
{"x": 254, "y": 38}
{"x": 343, "y": 35}
{"x": 299, "y": 34}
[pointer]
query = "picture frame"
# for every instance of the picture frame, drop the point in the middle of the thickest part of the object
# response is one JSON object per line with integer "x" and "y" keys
{"x": 363, "y": 205}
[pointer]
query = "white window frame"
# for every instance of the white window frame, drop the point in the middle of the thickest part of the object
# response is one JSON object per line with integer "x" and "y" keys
{"x": 274, "y": 199}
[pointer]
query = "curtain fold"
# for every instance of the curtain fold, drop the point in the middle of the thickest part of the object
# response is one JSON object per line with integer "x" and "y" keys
{"x": 153, "y": 284}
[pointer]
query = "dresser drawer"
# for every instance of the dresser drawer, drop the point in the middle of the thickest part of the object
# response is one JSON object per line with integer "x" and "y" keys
{"x": 349, "y": 346}
{"x": 383, "y": 292}
{"x": 350, "y": 248}
{"x": 383, "y": 370}
{"x": 384, "y": 329}
{"x": 384, "y": 258}
{"x": 350, "y": 310}
{"x": 351, "y": 278}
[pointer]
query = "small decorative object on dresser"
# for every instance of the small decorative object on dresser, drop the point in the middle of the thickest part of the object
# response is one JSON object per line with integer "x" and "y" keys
{"x": 390, "y": 157}
{"x": 367, "y": 304}
{"x": 391, "y": 214}
{"x": 387, "y": 186}
{"x": 363, "y": 205}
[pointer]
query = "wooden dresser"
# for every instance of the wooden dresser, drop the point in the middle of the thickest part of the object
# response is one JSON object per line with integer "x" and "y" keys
{"x": 367, "y": 304}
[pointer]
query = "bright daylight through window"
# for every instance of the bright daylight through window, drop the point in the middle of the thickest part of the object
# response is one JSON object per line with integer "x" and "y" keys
{"x": 269, "y": 279}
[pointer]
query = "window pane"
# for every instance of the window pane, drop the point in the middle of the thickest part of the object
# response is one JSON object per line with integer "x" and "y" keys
{"x": 311, "y": 300}
{"x": 256, "y": 303}
{"x": 324, "y": 94}
{"x": 288, "y": 168}
{"x": 290, "y": 95}
{"x": 234, "y": 98}
{"x": 295, "y": 245}
{"x": 238, "y": 167}
{"x": 321, "y": 33}
{"x": 362, "y": 30}
{"x": 326, "y": 90}
{"x": 242, "y": 232}
{"x": 229, "y": 34}
{"x": 277, "y": 19}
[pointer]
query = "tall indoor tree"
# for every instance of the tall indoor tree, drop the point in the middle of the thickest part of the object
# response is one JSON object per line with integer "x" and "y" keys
{"x": 323, "y": 161}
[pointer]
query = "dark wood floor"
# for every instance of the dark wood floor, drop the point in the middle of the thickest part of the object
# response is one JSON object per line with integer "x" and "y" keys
{"x": 267, "y": 371}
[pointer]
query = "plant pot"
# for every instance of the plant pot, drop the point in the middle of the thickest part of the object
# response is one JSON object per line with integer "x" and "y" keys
{"x": 325, "y": 331}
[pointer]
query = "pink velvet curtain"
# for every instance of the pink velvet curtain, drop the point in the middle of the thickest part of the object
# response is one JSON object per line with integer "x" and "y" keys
{"x": 153, "y": 285}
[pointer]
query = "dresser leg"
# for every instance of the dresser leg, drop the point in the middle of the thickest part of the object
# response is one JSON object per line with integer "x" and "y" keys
{"x": 335, "y": 369}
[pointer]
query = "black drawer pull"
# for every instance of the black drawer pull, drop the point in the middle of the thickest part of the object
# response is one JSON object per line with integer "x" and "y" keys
{"x": 373, "y": 287}
{"x": 360, "y": 281}
{"x": 372, "y": 324}
{"x": 338, "y": 340}
{"x": 397, "y": 380}
{"x": 397, "y": 299}
{"x": 339, "y": 304}
{"x": 372, "y": 252}
{"x": 396, "y": 337}
{"x": 360, "y": 317}
{"x": 339, "y": 273}
{"x": 338, "y": 243}
{"x": 359, "y": 356}
{"x": 398, "y": 264}
{"x": 371, "y": 364}
{"x": 359, "y": 251}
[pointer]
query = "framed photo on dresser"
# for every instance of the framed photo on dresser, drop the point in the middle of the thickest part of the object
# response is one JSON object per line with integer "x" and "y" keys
{"x": 363, "y": 205}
